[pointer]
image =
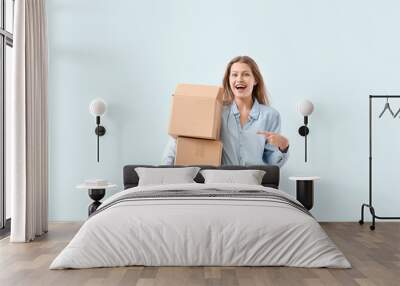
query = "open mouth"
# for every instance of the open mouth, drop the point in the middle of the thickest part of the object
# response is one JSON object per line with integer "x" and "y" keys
{"x": 240, "y": 87}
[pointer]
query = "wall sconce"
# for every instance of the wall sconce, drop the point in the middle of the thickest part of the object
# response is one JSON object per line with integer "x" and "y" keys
{"x": 97, "y": 108}
{"x": 305, "y": 108}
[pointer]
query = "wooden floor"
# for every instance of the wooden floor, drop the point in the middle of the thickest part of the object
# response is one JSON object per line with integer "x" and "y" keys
{"x": 374, "y": 255}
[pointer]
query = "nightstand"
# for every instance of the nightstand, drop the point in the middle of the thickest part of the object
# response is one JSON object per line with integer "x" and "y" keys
{"x": 96, "y": 193}
{"x": 305, "y": 190}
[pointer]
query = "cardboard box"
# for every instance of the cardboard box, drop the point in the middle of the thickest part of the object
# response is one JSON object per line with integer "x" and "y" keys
{"x": 196, "y": 111}
{"x": 194, "y": 151}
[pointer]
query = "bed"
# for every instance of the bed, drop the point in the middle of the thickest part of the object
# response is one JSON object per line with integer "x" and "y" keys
{"x": 201, "y": 224}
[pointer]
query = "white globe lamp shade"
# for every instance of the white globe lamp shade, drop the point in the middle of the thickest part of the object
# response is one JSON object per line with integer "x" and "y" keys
{"x": 306, "y": 107}
{"x": 97, "y": 107}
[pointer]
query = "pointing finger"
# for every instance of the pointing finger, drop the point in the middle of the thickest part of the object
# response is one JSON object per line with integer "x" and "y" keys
{"x": 267, "y": 133}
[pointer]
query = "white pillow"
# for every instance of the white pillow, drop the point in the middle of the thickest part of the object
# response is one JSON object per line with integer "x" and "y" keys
{"x": 164, "y": 176}
{"x": 249, "y": 177}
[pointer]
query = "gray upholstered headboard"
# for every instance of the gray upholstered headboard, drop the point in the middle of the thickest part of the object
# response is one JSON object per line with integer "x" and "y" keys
{"x": 270, "y": 179}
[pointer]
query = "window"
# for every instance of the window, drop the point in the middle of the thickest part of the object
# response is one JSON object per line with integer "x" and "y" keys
{"x": 6, "y": 44}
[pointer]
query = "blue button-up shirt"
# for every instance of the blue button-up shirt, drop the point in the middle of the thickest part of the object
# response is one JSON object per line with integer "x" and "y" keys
{"x": 242, "y": 145}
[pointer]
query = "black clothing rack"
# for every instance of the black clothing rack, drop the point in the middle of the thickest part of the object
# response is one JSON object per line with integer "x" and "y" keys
{"x": 369, "y": 205}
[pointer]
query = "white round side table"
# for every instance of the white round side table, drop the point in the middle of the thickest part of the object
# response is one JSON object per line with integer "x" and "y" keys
{"x": 96, "y": 193}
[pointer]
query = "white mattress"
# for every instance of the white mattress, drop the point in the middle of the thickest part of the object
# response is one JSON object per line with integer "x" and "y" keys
{"x": 200, "y": 231}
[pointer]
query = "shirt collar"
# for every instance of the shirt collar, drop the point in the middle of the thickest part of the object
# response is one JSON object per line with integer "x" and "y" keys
{"x": 254, "y": 113}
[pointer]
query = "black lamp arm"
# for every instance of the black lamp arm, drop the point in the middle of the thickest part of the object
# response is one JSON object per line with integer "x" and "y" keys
{"x": 303, "y": 131}
{"x": 100, "y": 131}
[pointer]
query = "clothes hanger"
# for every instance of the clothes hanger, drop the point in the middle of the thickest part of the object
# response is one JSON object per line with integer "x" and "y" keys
{"x": 397, "y": 113}
{"x": 387, "y": 107}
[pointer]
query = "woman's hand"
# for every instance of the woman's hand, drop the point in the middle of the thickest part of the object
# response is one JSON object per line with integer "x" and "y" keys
{"x": 275, "y": 139}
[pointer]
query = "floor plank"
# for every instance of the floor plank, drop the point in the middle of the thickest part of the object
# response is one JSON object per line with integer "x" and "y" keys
{"x": 374, "y": 255}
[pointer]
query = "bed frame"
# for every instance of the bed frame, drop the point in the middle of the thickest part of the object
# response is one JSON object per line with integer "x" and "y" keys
{"x": 270, "y": 179}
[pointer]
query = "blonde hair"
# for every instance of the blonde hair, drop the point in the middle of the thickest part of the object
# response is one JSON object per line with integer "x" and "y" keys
{"x": 259, "y": 90}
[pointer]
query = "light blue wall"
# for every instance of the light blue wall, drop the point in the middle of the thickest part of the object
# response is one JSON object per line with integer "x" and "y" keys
{"x": 133, "y": 53}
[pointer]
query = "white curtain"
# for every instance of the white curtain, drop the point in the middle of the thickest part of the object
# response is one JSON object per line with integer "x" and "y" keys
{"x": 27, "y": 121}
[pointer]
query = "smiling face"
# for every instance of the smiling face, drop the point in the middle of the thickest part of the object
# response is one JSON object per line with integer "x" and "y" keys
{"x": 241, "y": 80}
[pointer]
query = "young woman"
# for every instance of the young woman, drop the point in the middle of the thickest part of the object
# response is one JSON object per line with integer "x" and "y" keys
{"x": 249, "y": 127}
